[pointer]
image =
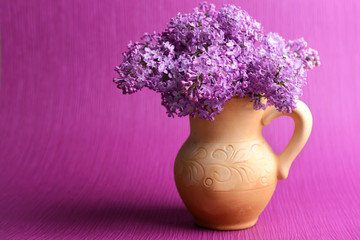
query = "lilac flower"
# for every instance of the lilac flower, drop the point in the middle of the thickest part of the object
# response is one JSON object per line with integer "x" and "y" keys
{"x": 205, "y": 58}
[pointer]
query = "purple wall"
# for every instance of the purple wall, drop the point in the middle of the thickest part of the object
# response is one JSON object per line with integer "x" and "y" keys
{"x": 78, "y": 159}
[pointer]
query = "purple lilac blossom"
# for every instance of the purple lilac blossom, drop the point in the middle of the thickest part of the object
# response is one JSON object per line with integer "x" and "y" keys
{"x": 207, "y": 57}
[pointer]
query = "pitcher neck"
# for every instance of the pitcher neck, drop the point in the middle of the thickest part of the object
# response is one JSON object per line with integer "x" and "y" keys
{"x": 237, "y": 121}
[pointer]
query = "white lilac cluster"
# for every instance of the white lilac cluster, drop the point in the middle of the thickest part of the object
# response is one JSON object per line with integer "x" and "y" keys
{"x": 207, "y": 57}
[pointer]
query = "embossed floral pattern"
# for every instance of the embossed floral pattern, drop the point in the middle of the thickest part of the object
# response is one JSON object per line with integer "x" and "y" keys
{"x": 241, "y": 165}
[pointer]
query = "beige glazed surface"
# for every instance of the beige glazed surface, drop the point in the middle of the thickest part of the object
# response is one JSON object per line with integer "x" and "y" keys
{"x": 226, "y": 172}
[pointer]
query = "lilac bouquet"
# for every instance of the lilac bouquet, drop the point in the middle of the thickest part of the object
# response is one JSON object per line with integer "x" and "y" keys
{"x": 205, "y": 58}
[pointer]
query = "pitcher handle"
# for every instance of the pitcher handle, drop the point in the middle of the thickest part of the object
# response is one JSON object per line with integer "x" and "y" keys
{"x": 303, "y": 124}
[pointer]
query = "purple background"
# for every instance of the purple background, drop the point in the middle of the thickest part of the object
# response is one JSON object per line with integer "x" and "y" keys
{"x": 78, "y": 159}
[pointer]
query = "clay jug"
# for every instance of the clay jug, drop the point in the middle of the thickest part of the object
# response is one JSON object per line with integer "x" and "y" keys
{"x": 226, "y": 172}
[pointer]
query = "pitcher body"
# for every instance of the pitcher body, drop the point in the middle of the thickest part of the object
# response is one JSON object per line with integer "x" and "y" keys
{"x": 225, "y": 172}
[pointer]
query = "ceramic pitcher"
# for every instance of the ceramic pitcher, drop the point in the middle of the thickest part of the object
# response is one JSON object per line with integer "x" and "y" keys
{"x": 226, "y": 172}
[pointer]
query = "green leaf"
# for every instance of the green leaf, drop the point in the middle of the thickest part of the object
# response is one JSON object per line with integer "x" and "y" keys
{"x": 201, "y": 77}
{"x": 197, "y": 53}
{"x": 206, "y": 47}
{"x": 193, "y": 86}
{"x": 165, "y": 77}
{"x": 279, "y": 83}
{"x": 142, "y": 62}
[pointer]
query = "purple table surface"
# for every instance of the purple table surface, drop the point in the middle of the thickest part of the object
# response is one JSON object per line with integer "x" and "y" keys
{"x": 81, "y": 161}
